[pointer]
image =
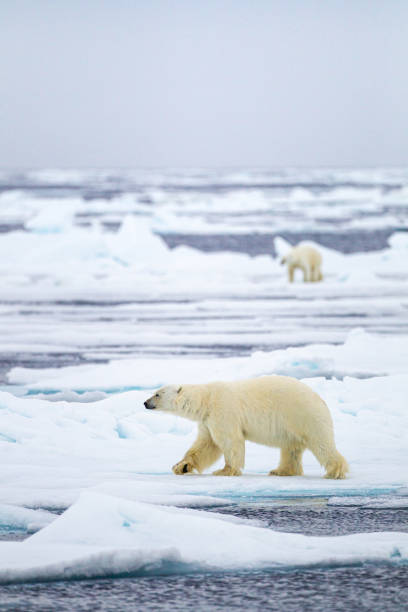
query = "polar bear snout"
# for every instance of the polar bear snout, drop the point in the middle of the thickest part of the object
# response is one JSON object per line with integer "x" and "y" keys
{"x": 164, "y": 399}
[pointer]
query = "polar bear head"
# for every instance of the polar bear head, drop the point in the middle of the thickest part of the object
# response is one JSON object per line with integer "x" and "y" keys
{"x": 189, "y": 401}
{"x": 288, "y": 259}
{"x": 165, "y": 399}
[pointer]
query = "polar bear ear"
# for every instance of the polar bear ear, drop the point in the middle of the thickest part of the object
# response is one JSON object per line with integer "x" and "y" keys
{"x": 179, "y": 389}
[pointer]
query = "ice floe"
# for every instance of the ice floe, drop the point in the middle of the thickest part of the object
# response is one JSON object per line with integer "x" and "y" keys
{"x": 361, "y": 354}
{"x": 106, "y": 536}
{"x": 51, "y": 451}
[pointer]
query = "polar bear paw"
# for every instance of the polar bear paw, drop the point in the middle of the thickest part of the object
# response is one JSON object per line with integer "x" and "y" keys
{"x": 227, "y": 471}
{"x": 281, "y": 472}
{"x": 183, "y": 467}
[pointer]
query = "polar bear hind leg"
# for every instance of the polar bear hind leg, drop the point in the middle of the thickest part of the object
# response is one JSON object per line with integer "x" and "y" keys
{"x": 329, "y": 457}
{"x": 316, "y": 274}
{"x": 290, "y": 461}
{"x": 337, "y": 467}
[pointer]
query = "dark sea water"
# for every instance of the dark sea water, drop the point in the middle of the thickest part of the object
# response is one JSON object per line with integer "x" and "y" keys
{"x": 368, "y": 588}
{"x": 316, "y": 518}
{"x": 262, "y": 244}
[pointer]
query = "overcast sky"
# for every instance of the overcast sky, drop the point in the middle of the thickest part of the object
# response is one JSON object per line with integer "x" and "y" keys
{"x": 203, "y": 82}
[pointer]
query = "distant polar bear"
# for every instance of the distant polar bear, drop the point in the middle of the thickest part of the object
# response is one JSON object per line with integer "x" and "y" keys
{"x": 276, "y": 411}
{"x": 308, "y": 259}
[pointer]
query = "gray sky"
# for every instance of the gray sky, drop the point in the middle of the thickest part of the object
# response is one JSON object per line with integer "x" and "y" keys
{"x": 203, "y": 82}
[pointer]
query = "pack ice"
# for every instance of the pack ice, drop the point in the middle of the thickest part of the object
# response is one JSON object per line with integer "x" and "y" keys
{"x": 94, "y": 453}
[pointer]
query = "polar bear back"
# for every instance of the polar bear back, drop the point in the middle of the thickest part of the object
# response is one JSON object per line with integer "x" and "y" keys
{"x": 303, "y": 253}
{"x": 271, "y": 409}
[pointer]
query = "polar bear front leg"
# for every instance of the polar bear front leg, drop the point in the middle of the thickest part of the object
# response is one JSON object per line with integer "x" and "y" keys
{"x": 233, "y": 448}
{"x": 306, "y": 273}
{"x": 201, "y": 455}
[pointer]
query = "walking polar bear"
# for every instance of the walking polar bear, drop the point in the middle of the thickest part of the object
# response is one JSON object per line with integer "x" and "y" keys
{"x": 275, "y": 411}
{"x": 308, "y": 259}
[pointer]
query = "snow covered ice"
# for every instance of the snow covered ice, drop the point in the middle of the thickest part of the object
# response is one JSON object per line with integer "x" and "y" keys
{"x": 102, "y": 535}
{"x": 97, "y": 311}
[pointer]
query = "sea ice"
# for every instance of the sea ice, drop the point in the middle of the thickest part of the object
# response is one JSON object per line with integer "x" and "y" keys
{"x": 107, "y": 536}
{"x": 51, "y": 451}
{"x": 95, "y": 449}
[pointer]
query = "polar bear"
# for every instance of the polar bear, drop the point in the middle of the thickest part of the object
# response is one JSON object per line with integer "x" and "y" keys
{"x": 277, "y": 411}
{"x": 308, "y": 259}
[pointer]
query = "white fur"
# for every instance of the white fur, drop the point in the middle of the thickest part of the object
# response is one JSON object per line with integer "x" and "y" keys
{"x": 275, "y": 411}
{"x": 307, "y": 259}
